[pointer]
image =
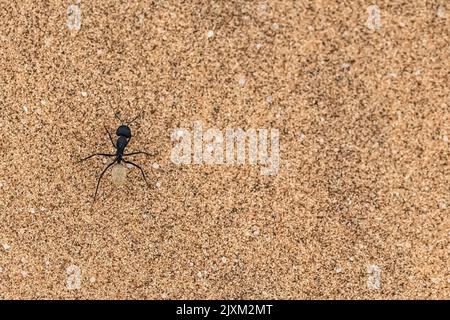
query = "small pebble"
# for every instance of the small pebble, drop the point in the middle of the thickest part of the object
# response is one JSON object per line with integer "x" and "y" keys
{"x": 119, "y": 174}
{"x": 210, "y": 34}
{"x": 84, "y": 93}
{"x": 7, "y": 247}
{"x": 242, "y": 82}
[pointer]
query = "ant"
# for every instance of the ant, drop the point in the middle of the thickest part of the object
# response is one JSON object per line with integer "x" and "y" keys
{"x": 124, "y": 136}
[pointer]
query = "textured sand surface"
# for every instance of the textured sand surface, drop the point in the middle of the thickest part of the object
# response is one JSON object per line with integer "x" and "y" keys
{"x": 358, "y": 209}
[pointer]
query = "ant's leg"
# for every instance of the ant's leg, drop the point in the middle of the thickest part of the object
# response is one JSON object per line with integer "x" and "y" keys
{"x": 110, "y": 137}
{"x": 97, "y": 154}
{"x": 142, "y": 171}
{"x": 139, "y": 152}
{"x": 101, "y": 175}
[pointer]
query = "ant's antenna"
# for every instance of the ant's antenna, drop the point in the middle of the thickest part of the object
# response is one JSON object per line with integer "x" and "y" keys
{"x": 118, "y": 117}
{"x": 128, "y": 122}
{"x": 139, "y": 114}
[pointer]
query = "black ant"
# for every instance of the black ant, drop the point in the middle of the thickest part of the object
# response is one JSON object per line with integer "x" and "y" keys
{"x": 124, "y": 136}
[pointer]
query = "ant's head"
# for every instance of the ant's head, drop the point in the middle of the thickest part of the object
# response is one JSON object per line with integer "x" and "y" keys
{"x": 124, "y": 129}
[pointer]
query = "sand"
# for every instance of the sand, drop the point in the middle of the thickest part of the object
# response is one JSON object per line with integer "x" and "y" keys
{"x": 359, "y": 207}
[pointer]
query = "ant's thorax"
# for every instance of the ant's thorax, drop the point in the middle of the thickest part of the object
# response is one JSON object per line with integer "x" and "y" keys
{"x": 121, "y": 144}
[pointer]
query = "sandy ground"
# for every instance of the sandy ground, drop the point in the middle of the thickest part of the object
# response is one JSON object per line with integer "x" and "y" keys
{"x": 358, "y": 209}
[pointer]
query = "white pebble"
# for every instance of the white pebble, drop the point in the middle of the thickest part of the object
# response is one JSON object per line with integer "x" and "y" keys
{"x": 155, "y": 166}
{"x": 210, "y": 34}
{"x": 25, "y": 108}
{"x": 445, "y": 138}
{"x": 435, "y": 280}
{"x": 242, "y": 82}
{"x": 374, "y": 19}
{"x": 224, "y": 260}
{"x": 24, "y": 274}
{"x": 199, "y": 274}
{"x": 440, "y": 12}
{"x": 262, "y": 7}
{"x": 338, "y": 269}
{"x": 92, "y": 279}
{"x": 141, "y": 19}
{"x": 6, "y": 246}
{"x": 373, "y": 277}
{"x": 158, "y": 184}
{"x": 269, "y": 99}
{"x": 258, "y": 46}
{"x": 119, "y": 174}
{"x": 84, "y": 93}
{"x": 73, "y": 280}
{"x": 275, "y": 26}
{"x": 74, "y": 17}
{"x": 392, "y": 75}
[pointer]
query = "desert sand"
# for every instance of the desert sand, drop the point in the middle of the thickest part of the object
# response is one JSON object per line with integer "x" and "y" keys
{"x": 359, "y": 207}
